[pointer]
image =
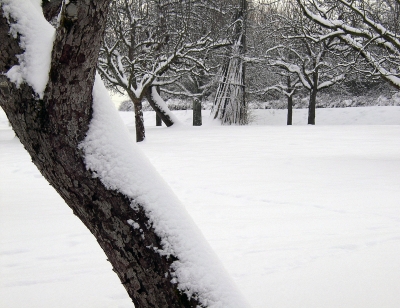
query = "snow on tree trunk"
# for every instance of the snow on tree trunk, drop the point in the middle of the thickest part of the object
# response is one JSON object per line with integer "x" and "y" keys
{"x": 160, "y": 107}
{"x": 74, "y": 136}
{"x": 230, "y": 103}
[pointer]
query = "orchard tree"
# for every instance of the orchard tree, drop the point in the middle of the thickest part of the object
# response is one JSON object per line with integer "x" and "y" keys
{"x": 287, "y": 85}
{"x": 283, "y": 55}
{"x": 317, "y": 64}
{"x": 311, "y": 64}
{"x": 63, "y": 116}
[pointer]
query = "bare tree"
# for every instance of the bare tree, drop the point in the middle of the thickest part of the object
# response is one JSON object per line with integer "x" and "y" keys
{"x": 52, "y": 118}
{"x": 312, "y": 65}
{"x": 292, "y": 53}
{"x": 287, "y": 85}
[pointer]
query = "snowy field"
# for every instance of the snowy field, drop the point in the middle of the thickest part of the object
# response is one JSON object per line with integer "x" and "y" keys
{"x": 301, "y": 216}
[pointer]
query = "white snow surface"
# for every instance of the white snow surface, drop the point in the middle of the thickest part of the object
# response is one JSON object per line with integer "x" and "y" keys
{"x": 112, "y": 155}
{"x": 37, "y": 37}
{"x": 300, "y": 216}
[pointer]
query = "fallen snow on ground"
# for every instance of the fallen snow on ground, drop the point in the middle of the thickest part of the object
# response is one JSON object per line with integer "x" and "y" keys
{"x": 376, "y": 115}
{"x": 301, "y": 216}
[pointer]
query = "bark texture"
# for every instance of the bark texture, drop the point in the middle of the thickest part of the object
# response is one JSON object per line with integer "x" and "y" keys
{"x": 51, "y": 8}
{"x": 51, "y": 129}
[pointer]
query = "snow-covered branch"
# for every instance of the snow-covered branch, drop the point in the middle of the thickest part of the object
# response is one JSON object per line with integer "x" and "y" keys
{"x": 374, "y": 42}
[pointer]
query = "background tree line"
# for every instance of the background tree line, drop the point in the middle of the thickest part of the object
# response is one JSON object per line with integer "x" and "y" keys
{"x": 233, "y": 52}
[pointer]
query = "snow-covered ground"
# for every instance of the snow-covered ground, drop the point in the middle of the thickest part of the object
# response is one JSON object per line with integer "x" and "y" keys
{"x": 301, "y": 216}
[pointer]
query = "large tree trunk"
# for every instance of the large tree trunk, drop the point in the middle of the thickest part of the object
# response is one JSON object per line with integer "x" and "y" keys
{"x": 51, "y": 130}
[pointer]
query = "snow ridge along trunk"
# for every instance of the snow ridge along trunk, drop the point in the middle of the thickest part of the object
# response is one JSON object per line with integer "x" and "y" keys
{"x": 161, "y": 109}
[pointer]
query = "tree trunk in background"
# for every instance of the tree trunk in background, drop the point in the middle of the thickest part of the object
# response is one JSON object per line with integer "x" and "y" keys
{"x": 158, "y": 120}
{"x": 197, "y": 120}
{"x": 139, "y": 121}
{"x": 313, "y": 98}
{"x": 137, "y": 102}
{"x": 290, "y": 102}
{"x": 157, "y": 108}
{"x": 290, "y": 110}
{"x": 51, "y": 130}
{"x": 311, "y": 106}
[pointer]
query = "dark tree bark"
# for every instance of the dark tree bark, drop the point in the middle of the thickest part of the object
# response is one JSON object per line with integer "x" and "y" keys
{"x": 290, "y": 110}
{"x": 158, "y": 120}
{"x": 137, "y": 103}
{"x": 51, "y": 8}
{"x": 139, "y": 121}
{"x": 313, "y": 99}
{"x": 290, "y": 102}
{"x": 51, "y": 129}
{"x": 311, "y": 107}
